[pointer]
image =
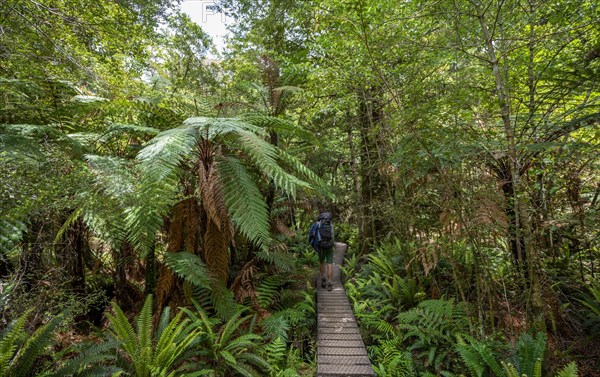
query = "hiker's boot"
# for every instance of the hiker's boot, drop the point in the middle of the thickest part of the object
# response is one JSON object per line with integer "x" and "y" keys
{"x": 329, "y": 287}
{"x": 323, "y": 282}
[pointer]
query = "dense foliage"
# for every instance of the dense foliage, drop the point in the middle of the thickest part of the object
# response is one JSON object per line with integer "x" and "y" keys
{"x": 455, "y": 141}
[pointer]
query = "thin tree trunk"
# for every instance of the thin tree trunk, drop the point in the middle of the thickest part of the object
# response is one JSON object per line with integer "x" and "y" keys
{"x": 523, "y": 225}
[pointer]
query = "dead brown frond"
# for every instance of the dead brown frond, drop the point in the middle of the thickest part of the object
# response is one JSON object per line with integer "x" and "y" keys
{"x": 164, "y": 286}
{"x": 428, "y": 256}
{"x": 211, "y": 193}
{"x": 243, "y": 284}
{"x": 216, "y": 251}
{"x": 280, "y": 227}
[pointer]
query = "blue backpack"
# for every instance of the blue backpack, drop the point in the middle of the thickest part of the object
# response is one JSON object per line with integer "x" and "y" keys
{"x": 320, "y": 234}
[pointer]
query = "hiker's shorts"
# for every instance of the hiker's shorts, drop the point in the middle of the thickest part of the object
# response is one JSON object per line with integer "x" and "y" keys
{"x": 326, "y": 255}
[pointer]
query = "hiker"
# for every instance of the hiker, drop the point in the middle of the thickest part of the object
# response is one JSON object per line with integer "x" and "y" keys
{"x": 321, "y": 237}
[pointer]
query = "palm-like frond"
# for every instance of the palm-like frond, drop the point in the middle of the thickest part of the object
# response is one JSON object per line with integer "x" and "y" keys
{"x": 189, "y": 267}
{"x": 280, "y": 125}
{"x": 264, "y": 156}
{"x": 210, "y": 128}
{"x": 246, "y": 205}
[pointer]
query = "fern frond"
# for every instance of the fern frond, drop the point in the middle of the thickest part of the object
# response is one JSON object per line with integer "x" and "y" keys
{"x": 9, "y": 342}
{"x": 121, "y": 329}
{"x": 144, "y": 326}
{"x": 264, "y": 156}
{"x": 528, "y": 350}
{"x": 510, "y": 370}
{"x": 275, "y": 351}
{"x": 278, "y": 258}
{"x": 189, "y": 267}
{"x": 244, "y": 201}
{"x": 569, "y": 370}
{"x": 210, "y": 128}
{"x": 89, "y": 359}
{"x": 276, "y": 326}
{"x": 34, "y": 347}
{"x": 162, "y": 155}
{"x": 279, "y": 125}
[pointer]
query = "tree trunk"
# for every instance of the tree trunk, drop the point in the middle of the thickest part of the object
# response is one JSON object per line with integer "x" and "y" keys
{"x": 372, "y": 185}
{"x": 522, "y": 222}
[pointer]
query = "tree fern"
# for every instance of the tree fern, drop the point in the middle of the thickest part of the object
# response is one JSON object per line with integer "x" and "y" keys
{"x": 211, "y": 128}
{"x": 264, "y": 157}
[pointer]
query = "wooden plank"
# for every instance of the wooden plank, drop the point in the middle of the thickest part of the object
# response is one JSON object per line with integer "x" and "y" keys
{"x": 344, "y": 360}
{"x": 338, "y": 336}
{"x": 339, "y": 330}
{"x": 356, "y": 351}
{"x": 345, "y": 343}
{"x": 325, "y": 370}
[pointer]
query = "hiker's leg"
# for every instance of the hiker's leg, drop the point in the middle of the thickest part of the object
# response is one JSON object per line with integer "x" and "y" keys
{"x": 322, "y": 262}
{"x": 329, "y": 261}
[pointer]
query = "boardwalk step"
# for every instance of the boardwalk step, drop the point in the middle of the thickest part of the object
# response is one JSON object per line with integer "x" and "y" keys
{"x": 354, "y": 351}
{"x": 338, "y": 336}
{"x": 326, "y": 370}
{"x": 353, "y": 343}
{"x": 344, "y": 360}
{"x": 339, "y": 330}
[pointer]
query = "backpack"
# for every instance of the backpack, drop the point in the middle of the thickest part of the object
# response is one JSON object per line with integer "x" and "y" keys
{"x": 313, "y": 236}
{"x": 320, "y": 234}
{"x": 325, "y": 230}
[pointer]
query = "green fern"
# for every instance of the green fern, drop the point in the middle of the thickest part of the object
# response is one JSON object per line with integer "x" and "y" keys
{"x": 510, "y": 370}
{"x": 280, "y": 125}
{"x": 389, "y": 359}
{"x": 431, "y": 327}
{"x": 269, "y": 290}
{"x": 569, "y": 370}
{"x": 19, "y": 351}
{"x": 244, "y": 201}
{"x": 478, "y": 357}
{"x": 152, "y": 353}
{"x": 227, "y": 348}
{"x": 189, "y": 267}
{"x": 279, "y": 258}
{"x": 529, "y": 352}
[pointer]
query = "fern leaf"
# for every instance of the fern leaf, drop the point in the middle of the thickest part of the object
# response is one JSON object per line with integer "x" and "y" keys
{"x": 210, "y": 128}
{"x": 279, "y": 125}
{"x": 264, "y": 157}
{"x": 144, "y": 327}
{"x": 244, "y": 201}
{"x": 189, "y": 267}
{"x": 34, "y": 348}
{"x": 569, "y": 370}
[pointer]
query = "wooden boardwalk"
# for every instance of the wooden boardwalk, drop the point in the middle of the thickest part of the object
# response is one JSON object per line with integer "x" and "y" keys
{"x": 341, "y": 351}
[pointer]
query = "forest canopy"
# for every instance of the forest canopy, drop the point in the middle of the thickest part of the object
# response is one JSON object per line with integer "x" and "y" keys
{"x": 156, "y": 195}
